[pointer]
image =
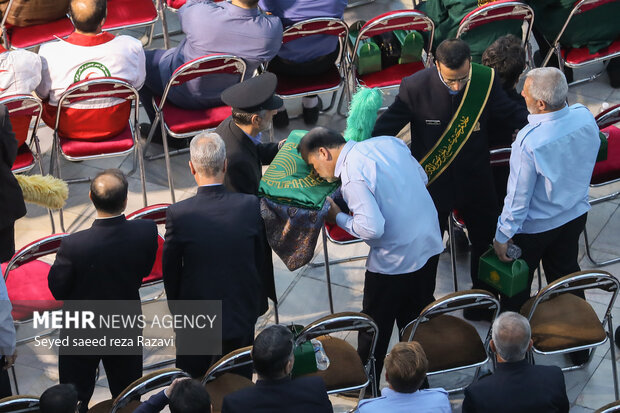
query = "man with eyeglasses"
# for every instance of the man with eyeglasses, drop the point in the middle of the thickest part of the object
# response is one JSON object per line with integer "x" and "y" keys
{"x": 448, "y": 107}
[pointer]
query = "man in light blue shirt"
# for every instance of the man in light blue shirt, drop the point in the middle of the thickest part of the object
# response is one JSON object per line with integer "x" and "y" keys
{"x": 385, "y": 189}
{"x": 550, "y": 169}
{"x": 405, "y": 371}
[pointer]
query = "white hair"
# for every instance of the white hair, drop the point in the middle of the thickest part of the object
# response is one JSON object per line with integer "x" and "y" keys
{"x": 549, "y": 85}
{"x": 511, "y": 336}
{"x": 208, "y": 153}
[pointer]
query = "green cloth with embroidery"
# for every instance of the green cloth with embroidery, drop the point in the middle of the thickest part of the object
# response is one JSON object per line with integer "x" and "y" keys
{"x": 290, "y": 181}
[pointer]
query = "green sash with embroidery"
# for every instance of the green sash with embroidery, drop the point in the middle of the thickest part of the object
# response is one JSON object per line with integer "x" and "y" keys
{"x": 462, "y": 124}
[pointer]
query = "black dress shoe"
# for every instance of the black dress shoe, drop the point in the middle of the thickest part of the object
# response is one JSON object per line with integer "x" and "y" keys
{"x": 617, "y": 336}
{"x": 477, "y": 314}
{"x": 280, "y": 119}
{"x": 311, "y": 115}
{"x": 579, "y": 357}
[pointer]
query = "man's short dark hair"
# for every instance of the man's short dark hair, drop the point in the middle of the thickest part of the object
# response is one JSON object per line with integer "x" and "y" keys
{"x": 245, "y": 118}
{"x": 319, "y": 137}
{"x": 406, "y": 367}
{"x": 272, "y": 350}
{"x": 453, "y": 53}
{"x": 189, "y": 396}
{"x": 110, "y": 197}
{"x": 507, "y": 57}
{"x": 89, "y": 22}
{"x": 61, "y": 398}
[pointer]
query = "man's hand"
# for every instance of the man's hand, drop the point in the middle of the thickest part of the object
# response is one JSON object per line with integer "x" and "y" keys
{"x": 174, "y": 383}
{"x": 281, "y": 144}
{"x": 500, "y": 250}
{"x": 9, "y": 361}
{"x": 334, "y": 209}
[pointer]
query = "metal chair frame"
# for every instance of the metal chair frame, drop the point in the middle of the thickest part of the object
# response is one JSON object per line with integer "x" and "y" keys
{"x": 81, "y": 91}
{"x": 298, "y": 31}
{"x": 578, "y": 8}
{"x": 346, "y": 321}
{"x": 19, "y": 404}
{"x": 501, "y": 10}
{"x": 581, "y": 281}
{"x": 459, "y": 301}
{"x": 146, "y": 384}
{"x": 603, "y": 120}
{"x": 182, "y": 74}
{"x": 233, "y": 360}
{"x": 381, "y": 24}
{"x": 610, "y": 408}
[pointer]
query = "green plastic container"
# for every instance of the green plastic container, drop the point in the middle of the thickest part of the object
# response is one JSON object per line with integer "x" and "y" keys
{"x": 509, "y": 278}
{"x": 305, "y": 360}
{"x": 602, "y": 150}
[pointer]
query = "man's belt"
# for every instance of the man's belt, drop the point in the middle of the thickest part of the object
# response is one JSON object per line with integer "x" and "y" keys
{"x": 462, "y": 124}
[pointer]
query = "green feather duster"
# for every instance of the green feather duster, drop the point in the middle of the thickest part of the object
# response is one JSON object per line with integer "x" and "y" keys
{"x": 365, "y": 104}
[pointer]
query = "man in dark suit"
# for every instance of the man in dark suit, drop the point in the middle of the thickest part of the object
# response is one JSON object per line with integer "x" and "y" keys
{"x": 275, "y": 392}
{"x": 428, "y": 100}
{"x": 12, "y": 206}
{"x": 516, "y": 386}
{"x": 253, "y": 105}
{"x": 105, "y": 262}
{"x": 214, "y": 251}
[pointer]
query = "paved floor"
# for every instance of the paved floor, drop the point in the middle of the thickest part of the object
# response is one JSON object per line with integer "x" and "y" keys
{"x": 302, "y": 294}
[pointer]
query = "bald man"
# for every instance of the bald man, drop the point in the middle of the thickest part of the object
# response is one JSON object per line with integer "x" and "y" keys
{"x": 86, "y": 54}
{"x": 105, "y": 262}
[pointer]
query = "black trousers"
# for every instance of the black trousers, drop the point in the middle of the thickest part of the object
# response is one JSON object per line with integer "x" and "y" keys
{"x": 389, "y": 298}
{"x": 197, "y": 366}
{"x": 7, "y": 242}
{"x": 5, "y": 383}
{"x": 81, "y": 371}
{"x": 557, "y": 248}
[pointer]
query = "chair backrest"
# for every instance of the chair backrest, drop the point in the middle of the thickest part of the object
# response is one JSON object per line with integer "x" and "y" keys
{"x": 608, "y": 117}
{"x": 397, "y": 20}
{"x": 452, "y": 302}
{"x": 231, "y": 361}
{"x": 609, "y": 408}
{"x": 19, "y": 403}
{"x": 22, "y": 108}
{"x": 217, "y": 63}
{"x": 323, "y": 25}
{"x": 35, "y": 250}
{"x": 155, "y": 212}
{"x": 146, "y": 384}
{"x": 579, "y": 281}
{"x": 496, "y": 11}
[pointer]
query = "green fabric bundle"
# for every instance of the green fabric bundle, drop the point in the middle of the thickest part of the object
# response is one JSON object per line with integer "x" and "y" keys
{"x": 290, "y": 181}
{"x": 365, "y": 104}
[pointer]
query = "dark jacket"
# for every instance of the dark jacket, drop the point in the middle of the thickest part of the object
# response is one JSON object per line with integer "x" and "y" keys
{"x": 12, "y": 205}
{"x": 302, "y": 395}
{"x": 518, "y": 387}
{"x": 105, "y": 262}
{"x": 213, "y": 251}
{"x": 425, "y": 103}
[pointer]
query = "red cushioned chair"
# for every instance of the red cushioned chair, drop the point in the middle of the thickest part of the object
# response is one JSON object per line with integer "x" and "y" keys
{"x": 290, "y": 87}
{"x": 390, "y": 77}
{"x": 185, "y": 123}
{"x": 579, "y": 57}
{"x": 156, "y": 213}
{"x": 125, "y": 14}
{"x": 500, "y": 11}
{"x": 338, "y": 236}
{"x": 97, "y": 121}
{"x": 22, "y": 110}
{"x": 26, "y": 283}
{"x": 606, "y": 172}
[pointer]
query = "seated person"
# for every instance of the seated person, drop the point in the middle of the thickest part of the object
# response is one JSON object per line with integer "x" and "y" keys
{"x": 595, "y": 30}
{"x": 507, "y": 57}
{"x": 272, "y": 354}
{"x": 405, "y": 372}
{"x": 86, "y": 54}
{"x": 61, "y": 398}
{"x": 20, "y": 74}
{"x": 30, "y": 12}
{"x": 182, "y": 396}
{"x": 447, "y": 15}
{"x": 516, "y": 386}
{"x": 308, "y": 56}
{"x": 238, "y": 28}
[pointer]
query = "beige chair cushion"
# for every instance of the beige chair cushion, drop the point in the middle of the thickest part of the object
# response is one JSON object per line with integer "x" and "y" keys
{"x": 345, "y": 366}
{"x": 106, "y": 405}
{"x": 564, "y": 321}
{"x": 223, "y": 385}
{"x": 449, "y": 342}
